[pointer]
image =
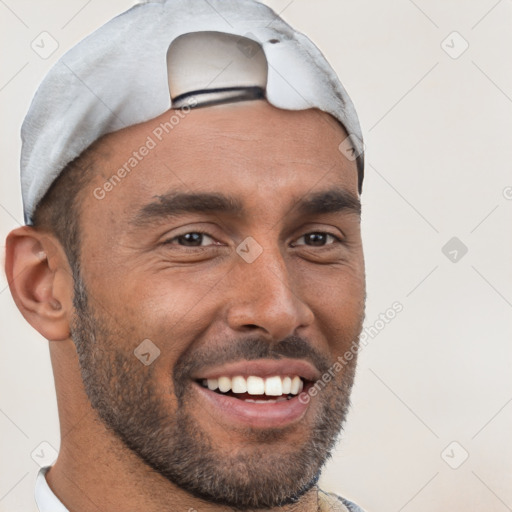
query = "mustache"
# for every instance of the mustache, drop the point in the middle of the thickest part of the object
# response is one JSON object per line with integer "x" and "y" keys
{"x": 249, "y": 348}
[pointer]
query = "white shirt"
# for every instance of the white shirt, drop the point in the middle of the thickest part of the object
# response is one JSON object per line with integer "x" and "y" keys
{"x": 45, "y": 499}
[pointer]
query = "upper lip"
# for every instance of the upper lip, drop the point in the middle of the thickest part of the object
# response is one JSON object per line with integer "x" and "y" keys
{"x": 262, "y": 368}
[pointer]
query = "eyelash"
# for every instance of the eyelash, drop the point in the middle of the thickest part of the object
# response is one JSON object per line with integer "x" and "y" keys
{"x": 202, "y": 232}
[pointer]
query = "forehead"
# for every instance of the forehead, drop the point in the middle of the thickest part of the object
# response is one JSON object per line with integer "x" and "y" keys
{"x": 251, "y": 151}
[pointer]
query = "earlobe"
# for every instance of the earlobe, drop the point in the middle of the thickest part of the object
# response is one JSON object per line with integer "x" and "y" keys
{"x": 40, "y": 281}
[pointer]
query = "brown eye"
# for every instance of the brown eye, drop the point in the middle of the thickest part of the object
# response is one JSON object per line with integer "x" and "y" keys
{"x": 191, "y": 239}
{"x": 318, "y": 239}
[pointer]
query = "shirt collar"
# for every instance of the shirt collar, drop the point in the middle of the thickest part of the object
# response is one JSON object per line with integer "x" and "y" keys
{"x": 45, "y": 499}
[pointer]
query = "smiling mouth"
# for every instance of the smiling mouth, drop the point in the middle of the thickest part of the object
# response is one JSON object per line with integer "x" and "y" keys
{"x": 254, "y": 389}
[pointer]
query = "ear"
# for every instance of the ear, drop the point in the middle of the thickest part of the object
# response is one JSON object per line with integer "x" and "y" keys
{"x": 40, "y": 281}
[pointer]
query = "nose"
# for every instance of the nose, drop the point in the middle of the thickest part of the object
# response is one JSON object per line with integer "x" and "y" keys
{"x": 264, "y": 297}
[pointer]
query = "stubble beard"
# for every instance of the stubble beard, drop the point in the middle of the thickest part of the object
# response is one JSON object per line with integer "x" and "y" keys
{"x": 136, "y": 410}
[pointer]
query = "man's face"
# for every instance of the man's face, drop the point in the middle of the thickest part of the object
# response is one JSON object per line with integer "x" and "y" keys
{"x": 287, "y": 302}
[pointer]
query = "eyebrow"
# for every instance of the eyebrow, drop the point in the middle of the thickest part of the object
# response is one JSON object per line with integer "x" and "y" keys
{"x": 329, "y": 201}
{"x": 178, "y": 203}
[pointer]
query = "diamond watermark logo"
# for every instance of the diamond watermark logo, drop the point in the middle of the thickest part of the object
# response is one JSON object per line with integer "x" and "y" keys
{"x": 454, "y": 45}
{"x": 249, "y": 249}
{"x": 351, "y": 147}
{"x": 454, "y": 249}
{"x": 248, "y": 45}
{"x": 454, "y": 455}
{"x": 147, "y": 352}
{"x": 45, "y": 45}
{"x": 44, "y": 455}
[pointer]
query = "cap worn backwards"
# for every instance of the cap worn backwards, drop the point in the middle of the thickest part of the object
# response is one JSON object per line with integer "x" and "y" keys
{"x": 158, "y": 55}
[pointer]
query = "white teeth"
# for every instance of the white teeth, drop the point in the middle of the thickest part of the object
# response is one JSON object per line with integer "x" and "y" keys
{"x": 287, "y": 385}
{"x": 212, "y": 383}
{"x": 255, "y": 385}
{"x": 273, "y": 386}
{"x": 295, "y": 385}
{"x": 224, "y": 384}
{"x": 270, "y": 386}
{"x": 239, "y": 385}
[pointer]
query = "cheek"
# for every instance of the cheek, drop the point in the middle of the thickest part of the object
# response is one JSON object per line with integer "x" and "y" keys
{"x": 166, "y": 294}
{"x": 338, "y": 304}
{"x": 171, "y": 312}
{"x": 340, "y": 285}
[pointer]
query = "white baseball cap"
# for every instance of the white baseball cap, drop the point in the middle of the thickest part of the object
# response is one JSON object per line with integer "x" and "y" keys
{"x": 157, "y": 56}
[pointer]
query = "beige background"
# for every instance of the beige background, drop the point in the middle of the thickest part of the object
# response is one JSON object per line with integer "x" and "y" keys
{"x": 439, "y": 159}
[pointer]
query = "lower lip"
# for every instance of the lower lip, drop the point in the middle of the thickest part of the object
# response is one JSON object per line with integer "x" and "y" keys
{"x": 235, "y": 411}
